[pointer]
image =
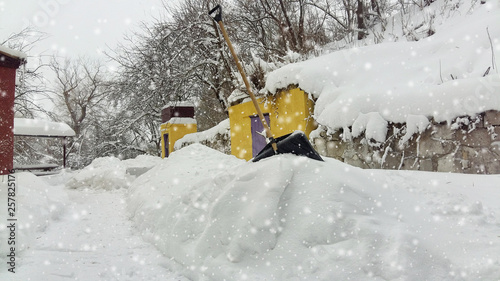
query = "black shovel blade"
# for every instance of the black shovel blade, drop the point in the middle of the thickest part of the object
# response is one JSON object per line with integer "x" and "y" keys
{"x": 295, "y": 143}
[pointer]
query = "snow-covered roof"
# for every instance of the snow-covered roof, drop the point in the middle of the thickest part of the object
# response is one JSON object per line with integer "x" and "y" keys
{"x": 13, "y": 53}
{"x": 37, "y": 127}
{"x": 182, "y": 120}
{"x": 439, "y": 77}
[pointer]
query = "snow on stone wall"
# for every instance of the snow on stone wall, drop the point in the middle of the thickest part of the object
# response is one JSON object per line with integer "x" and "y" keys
{"x": 466, "y": 145}
{"x": 430, "y": 104}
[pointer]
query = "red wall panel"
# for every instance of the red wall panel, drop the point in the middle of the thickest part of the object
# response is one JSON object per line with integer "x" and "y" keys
{"x": 7, "y": 92}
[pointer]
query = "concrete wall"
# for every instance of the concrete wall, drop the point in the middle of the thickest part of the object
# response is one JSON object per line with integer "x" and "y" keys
{"x": 467, "y": 145}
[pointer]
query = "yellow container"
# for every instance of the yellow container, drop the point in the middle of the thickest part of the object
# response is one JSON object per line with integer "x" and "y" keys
{"x": 173, "y": 130}
{"x": 288, "y": 111}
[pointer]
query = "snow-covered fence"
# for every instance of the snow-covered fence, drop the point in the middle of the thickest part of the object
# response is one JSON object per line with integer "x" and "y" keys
{"x": 467, "y": 145}
{"x": 217, "y": 137}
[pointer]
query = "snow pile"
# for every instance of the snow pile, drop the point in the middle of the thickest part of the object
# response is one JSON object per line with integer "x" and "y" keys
{"x": 111, "y": 173}
{"x": 439, "y": 77}
{"x": 36, "y": 205}
{"x": 146, "y": 161}
{"x": 103, "y": 173}
{"x": 292, "y": 218}
{"x": 208, "y": 135}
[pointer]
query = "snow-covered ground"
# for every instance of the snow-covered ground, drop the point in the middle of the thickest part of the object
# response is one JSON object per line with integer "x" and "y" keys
{"x": 205, "y": 215}
{"x": 78, "y": 234}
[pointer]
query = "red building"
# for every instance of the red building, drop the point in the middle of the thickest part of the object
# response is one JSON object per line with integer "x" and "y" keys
{"x": 10, "y": 60}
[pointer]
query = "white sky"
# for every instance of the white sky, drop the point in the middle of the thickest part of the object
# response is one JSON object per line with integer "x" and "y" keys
{"x": 76, "y": 27}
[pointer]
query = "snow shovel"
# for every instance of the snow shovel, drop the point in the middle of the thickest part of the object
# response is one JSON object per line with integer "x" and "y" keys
{"x": 295, "y": 143}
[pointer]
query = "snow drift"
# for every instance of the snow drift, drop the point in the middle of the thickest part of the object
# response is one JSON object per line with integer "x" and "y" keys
{"x": 110, "y": 172}
{"x": 292, "y": 218}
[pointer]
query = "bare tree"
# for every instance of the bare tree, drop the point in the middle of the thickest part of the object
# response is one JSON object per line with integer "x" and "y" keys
{"x": 299, "y": 28}
{"x": 79, "y": 89}
{"x": 31, "y": 84}
{"x": 181, "y": 58}
{"x": 79, "y": 94}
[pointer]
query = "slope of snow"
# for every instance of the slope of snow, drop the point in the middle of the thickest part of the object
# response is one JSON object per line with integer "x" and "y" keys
{"x": 439, "y": 77}
{"x": 292, "y": 218}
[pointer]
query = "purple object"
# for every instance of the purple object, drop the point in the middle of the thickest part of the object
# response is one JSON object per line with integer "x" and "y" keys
{"x": 258, "y": 134}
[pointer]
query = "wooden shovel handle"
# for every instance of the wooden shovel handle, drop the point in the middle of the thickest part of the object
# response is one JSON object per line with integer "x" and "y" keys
{"x": 269, "y": 134}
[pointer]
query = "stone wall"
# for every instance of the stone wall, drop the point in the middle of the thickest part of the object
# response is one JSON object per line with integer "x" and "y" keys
{"x": 467, "y": 145}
